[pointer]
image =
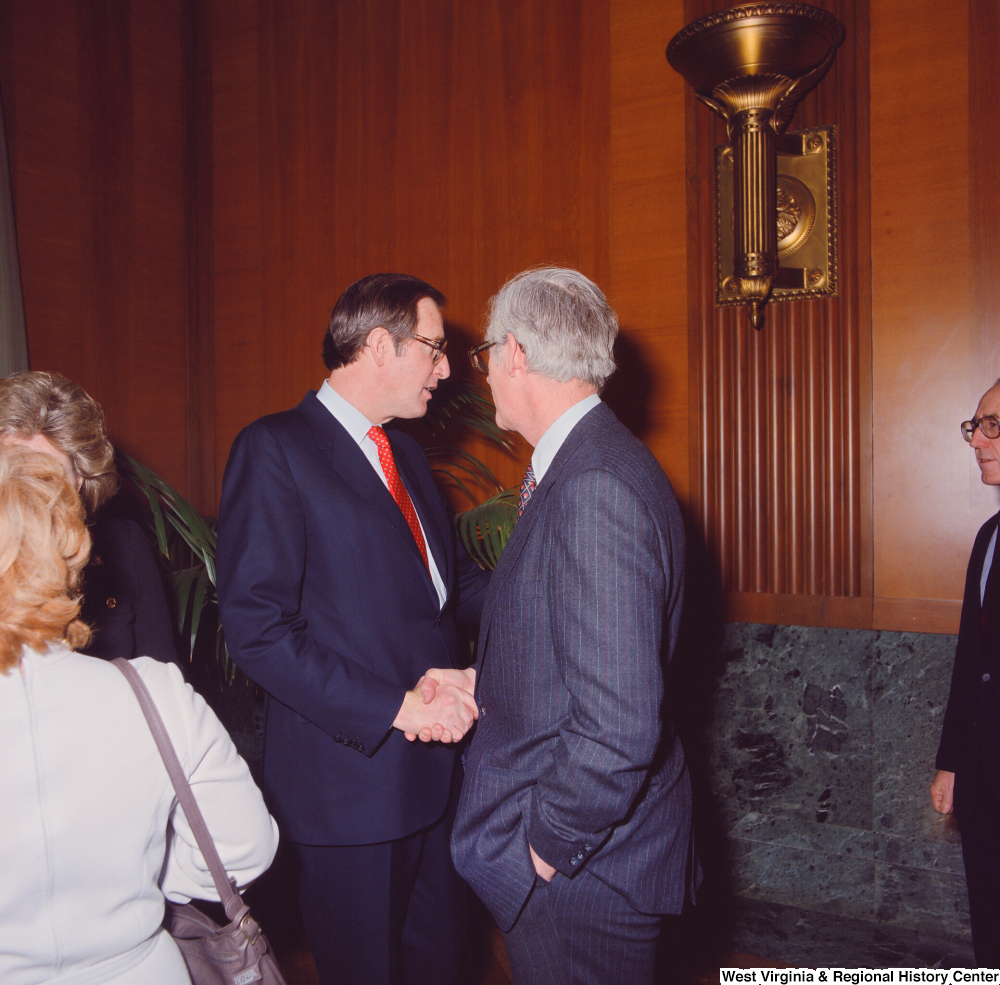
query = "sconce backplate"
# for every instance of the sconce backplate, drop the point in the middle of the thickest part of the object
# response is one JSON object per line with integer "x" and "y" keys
{"x": 807, "y": 218}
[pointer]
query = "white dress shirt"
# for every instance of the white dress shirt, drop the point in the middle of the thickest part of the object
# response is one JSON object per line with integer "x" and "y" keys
{"x": 357, "y": 426}
{"x": 558, "y": 431}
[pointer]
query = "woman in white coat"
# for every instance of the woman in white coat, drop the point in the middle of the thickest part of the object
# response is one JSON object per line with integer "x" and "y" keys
{"x": 91, "y": 837}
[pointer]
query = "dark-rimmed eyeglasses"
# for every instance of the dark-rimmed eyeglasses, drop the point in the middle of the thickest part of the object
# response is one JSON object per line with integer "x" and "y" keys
{"x": 988, "y": 424}
{"x": 438, "y": 345}
{"x": 478, "y": 354}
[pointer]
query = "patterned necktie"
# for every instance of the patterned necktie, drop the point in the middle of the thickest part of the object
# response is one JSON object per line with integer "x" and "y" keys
{"x": 527, "y": 488}
{"x": 397, "y": 488}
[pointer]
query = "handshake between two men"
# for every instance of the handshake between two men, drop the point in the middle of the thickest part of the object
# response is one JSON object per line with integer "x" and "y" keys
{"x": 441, "y": 708}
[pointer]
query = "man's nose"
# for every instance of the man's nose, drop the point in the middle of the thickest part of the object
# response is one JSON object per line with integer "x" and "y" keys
{"x": 979, "y": 440}
{"x": 442, "y": 369}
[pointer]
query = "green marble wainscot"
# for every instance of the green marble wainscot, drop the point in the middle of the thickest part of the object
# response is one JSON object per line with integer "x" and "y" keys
{"x": 819, "y": 749}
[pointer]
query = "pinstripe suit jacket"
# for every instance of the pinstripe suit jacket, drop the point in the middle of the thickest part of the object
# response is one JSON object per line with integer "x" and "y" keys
{"x": 570, "y": 753}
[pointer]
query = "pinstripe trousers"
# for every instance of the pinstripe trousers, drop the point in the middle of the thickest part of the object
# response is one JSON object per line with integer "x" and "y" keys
{"x": 579, "y": 932}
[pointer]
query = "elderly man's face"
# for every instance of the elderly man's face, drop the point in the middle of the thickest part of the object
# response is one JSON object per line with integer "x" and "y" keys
{"x": 499, "y": 381}
{"x": 988, "y": 449}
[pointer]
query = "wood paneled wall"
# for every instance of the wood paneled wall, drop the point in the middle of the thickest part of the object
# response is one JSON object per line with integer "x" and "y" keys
{"x": 649, "y": 242}
{"x": 195, "y": 181}
{"x": 934, "y": 311}
{"x": 94, "y": 101}
{"x": 827, "y": 472}
{"x": 780, "y": 453}
{"x": 458, "y": 142}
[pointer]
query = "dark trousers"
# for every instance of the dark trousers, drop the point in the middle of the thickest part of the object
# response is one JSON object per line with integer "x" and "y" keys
{"x": 579, "y": 932}
{"x": 980, "y": 829}
{"x": 387, "y": 914}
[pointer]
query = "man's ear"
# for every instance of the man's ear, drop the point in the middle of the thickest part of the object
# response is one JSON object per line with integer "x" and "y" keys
{"x": 378, "y": 343}
{"x": 517, "y": 362}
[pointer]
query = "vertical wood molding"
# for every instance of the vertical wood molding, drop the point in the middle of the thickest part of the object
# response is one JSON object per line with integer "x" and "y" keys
{"x": 780, "y": 455}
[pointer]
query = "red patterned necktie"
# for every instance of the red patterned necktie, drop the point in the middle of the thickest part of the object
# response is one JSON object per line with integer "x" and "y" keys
{"x": 397, "y": 488}
{"x": 527, "y": 488}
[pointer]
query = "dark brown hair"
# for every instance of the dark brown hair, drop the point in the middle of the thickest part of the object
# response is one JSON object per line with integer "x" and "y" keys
{"x": 386, "y": 301}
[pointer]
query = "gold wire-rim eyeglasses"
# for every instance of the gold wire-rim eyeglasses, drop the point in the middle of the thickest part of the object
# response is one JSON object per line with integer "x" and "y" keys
{"x": 988, "y": 424}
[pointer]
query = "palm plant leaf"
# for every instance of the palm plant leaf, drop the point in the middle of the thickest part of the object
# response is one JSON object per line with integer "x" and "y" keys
{"x": 187, "y": 541}
{"x": 485, "y": 529}
{"x": 458, "y": 406}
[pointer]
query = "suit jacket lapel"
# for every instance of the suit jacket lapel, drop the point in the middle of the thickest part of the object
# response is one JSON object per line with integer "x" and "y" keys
{"x": 514, "y": 546}
{"x": 355, "y": 469}
{"x": 976, "y": 564}
{"x": 432, "y": 532}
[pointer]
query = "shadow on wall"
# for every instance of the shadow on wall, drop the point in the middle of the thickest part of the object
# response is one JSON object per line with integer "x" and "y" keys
{"x": 629, "y": 392}
{"x": 705, "y": 932}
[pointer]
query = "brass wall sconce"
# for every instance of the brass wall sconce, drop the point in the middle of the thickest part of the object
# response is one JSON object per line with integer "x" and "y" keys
{"x": 806, "y": 219}
{"x": 751, "y": 65}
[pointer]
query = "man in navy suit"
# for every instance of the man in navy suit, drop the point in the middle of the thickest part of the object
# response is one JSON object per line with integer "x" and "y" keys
{"x": 339, "y": 584}
{"x": 968, "y": 759}
{"x": 575, "y": 815}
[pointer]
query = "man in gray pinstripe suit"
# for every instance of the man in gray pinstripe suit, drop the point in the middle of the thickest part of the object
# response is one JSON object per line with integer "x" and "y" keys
{"x": 575, "y": 816}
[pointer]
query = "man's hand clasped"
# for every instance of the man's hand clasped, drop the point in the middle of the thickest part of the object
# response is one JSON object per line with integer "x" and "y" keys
{"x": 441, "y": 708}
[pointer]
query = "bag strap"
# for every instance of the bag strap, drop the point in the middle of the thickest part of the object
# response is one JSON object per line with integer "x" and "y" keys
{"x": 231, "y": 900}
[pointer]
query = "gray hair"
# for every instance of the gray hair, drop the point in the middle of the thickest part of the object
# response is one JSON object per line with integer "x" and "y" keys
{"x": 561, "y": 320}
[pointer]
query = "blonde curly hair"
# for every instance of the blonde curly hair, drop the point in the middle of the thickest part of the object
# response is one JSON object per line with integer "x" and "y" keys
{"x": 63, "y": 412}
{"x": 44, "y": 545}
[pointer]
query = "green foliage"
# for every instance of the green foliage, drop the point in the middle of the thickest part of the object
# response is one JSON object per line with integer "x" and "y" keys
{"x": 186, "y": 539}
{"x": 485, "y": 529}
{"x": 458, "y": 406}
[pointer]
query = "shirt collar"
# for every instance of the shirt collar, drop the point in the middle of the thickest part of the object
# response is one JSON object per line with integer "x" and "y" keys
{"x": 558, "y": 431}
{"x": 351, "y": 419}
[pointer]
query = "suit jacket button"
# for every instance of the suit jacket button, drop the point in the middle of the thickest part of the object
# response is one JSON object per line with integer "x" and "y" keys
{"x": 986, "y": 678}
{"x": 587, "y": 848}
{"x": 482, "y": 711}
{"x": 574, "y": 861}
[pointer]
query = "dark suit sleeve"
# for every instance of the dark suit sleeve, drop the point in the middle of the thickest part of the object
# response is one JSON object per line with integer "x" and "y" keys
{"x": 471, "y": 583}
{"x": 961, "y": 699}
{"x": 606, "y": 591}
{"x": 262, "y": 553}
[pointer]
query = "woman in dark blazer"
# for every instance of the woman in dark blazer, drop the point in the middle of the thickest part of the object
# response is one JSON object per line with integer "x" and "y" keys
{"x": 124, "y": 600}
